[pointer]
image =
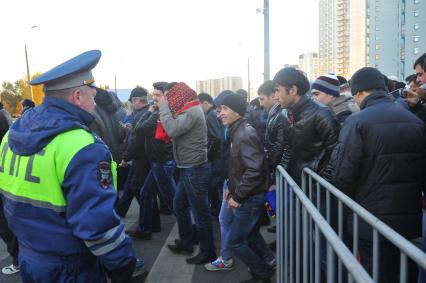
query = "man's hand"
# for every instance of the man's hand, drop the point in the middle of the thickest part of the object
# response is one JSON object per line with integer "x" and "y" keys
{"x": 162, "y": 101}
{"x": 123, "y": 164}
{"x": 412, "y": 97}
{"x": 232, "y": 203}
{"x": 271, "y": 188}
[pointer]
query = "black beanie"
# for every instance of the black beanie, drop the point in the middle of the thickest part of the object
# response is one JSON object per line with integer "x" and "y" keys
{"x": 236, "y": 103}
{"x": 365, "y": 79}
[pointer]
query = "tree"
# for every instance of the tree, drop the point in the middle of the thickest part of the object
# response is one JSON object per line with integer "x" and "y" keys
{"x": 38, "y": 93}
{"x": 11, "y": 95}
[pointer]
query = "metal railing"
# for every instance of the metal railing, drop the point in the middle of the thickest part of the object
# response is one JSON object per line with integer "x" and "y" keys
{"x": 298, "y": 217}
{"x": 378, "y": 227}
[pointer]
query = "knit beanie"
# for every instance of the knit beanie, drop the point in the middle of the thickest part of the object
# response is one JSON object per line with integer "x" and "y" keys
{"x": 365, "y": 79}
{"x": 236, "y": 103}
{"x": 327, "y": 83}
{"x": 219, "y": 99}
{"x": 179, "y": 95}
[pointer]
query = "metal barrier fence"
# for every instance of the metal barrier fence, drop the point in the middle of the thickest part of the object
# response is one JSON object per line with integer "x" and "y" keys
{"x": 299, "y": 215}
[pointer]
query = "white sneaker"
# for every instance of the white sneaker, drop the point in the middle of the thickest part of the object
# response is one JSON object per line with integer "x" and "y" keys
{"x": 220, "y": 264}
{"x": 11, "y": 269}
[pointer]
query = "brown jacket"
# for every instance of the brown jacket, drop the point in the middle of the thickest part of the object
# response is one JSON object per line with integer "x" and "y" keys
{"x": 248, "y": 170}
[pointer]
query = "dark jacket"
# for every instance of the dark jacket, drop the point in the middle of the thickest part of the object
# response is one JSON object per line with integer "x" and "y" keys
{"x": 136, "y": 147}
{"x": 248, "y": 170}
{"x": 311, "y": 133}
{"x": 4, "y": 125}
{"x": 214, "y": 134}
{"x": 379, "y": 162}
{"x": 274, "y": 137}
{"x": 258, "y": 120}
{"x": 107, "y": 124}
{"x": 156, "y": 150}
{"x": 420, "y": 110}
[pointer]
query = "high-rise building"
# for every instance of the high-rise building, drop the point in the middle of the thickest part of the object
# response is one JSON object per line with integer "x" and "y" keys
{"x": 215, "y": 86}
{"x": 334, "y": 49}
{"x": 387, "y": 34}
{"x": 308, "y": 63}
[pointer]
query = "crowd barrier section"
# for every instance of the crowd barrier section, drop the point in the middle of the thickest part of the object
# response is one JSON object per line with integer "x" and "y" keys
{"x": 304, "y": 230}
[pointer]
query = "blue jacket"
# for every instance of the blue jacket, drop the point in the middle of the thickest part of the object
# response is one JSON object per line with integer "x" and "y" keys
{"x": 89, "y": 226}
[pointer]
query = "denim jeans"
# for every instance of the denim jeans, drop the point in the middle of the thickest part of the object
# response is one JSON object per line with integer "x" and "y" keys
{"x": 245, "y": 240}
{"x": 215, "y": 184}
{"x": 160, "y": 178}
{"x": 225, "y": 219}
{"x": 192, "y": 192}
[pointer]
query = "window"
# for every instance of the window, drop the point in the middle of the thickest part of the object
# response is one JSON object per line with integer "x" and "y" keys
{"x": 377, "y": 28}
{"x": 377, "y": 46}
{"x": 416, "y": 50}
{"x": 377, "y": 37}
{"x": 416, "y": 1}
{"x": 376, "y": 57}
{"x": 416, "y": 38}
{"x": 416, "y": 26}
{"x": 416, "y": 13}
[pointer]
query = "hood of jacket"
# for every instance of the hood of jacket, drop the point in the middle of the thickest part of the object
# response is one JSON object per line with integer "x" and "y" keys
{"x": 39, "y": 125}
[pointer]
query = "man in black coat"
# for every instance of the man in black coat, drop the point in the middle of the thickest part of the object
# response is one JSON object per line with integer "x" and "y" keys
{"x": 379, "y": 162}
{"x": 311, "y": 130}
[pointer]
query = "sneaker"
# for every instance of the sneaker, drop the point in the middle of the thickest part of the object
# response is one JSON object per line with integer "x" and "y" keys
{"x": 220, "y": 264}
{"x": 11, "y": 269}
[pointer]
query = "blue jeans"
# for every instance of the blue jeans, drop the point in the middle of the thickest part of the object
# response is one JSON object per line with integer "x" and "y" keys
{"x": 192, "y": 192}
{"x": 160, "y": 178}
{"x": 245, "y": 240}
{"x": 225, "y": 219}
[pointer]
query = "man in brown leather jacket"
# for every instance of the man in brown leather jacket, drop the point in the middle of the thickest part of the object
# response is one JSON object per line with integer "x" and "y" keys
{"x": 248, "y": 183}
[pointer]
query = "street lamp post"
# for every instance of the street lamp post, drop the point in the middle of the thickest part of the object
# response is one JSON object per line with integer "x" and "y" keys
{"x": 266, "y": 40}
{"x": 28, "y": 74}
{"x": 30, "y": 92}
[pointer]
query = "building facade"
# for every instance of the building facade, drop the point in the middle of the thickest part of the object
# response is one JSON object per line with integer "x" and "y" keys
{"x": 215, "y": 86}
{"x": 387, "y": 34}
{"x": 308, "y": 63}
{"x": 334, "y": 44}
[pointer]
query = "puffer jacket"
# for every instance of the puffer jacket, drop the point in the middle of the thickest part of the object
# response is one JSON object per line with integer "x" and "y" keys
{"x": 248, "y": 170}
{"x": 274, "y": 136}
{"x": 379, "y": 162}
{"x": 311, "y": 134}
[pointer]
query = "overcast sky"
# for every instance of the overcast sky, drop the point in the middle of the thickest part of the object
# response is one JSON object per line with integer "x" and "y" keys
{"x": 146, "y": 41}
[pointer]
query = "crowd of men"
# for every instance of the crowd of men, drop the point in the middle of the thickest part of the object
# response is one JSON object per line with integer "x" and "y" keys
{"x": 198, "y": 158}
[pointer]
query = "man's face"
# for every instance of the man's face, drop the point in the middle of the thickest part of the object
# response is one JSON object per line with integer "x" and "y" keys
{"x": 228, "y": 116}
{"x": 156, "y": 95}
{"x": 421, "y": 74}
{"x": 286, "y": 97}
{"x": 359, "y": 97}
{"x": 266, "y": 101}
{"x": 137, "y": 103}
{"x": 87, "y": 98}
{"x": 206, "y": 106}
{"x": 322, "y": 96}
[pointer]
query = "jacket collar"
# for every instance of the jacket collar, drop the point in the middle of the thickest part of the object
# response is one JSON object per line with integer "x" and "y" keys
{"x": 374, "y": 98}
{"x": 300, "y": 105}
{"x": 233, "y": 128}
{"x": 70, "y": 109}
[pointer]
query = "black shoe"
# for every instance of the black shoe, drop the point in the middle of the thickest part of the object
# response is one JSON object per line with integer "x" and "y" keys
{"x": 140, "y": 275}
{"x": 194, "y": 241}
{"x": 140, "y": 235}
{"x": 201, "y": 258}
{"x": 178, "y": 249}
{"x": 272, "y": 229}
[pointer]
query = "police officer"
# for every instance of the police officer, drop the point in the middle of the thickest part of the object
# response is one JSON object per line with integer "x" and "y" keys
{"x": 57, "y": 184}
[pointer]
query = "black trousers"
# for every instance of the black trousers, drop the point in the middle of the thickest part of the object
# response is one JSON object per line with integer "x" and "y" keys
{"x": 8, "y": 237}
